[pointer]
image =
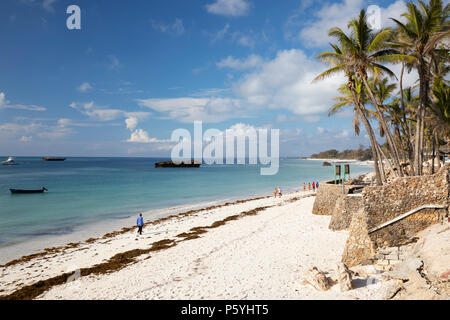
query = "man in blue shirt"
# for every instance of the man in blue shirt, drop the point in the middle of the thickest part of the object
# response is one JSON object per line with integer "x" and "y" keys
{"x": 140, "y": 223}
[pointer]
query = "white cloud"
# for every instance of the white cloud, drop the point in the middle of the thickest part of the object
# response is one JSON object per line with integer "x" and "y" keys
{"x": 141, "y": 136}
{"x": 5, "y": 104}
{"x": 84, "y": 87}
{"x": 93, "y": 112}
{"x": 189, "y": 109}
{"x": 336, "y": 14}
{"x": 26, "y": 139}
{"x": 306, "y": 118}
{"x": 409, "y": 79}
{"x": 231, "y": 8}
{"x": 177, "y": 28}
{"x": 314, "y": 32}
{"x": 64, "y": 122}
{"x": 103, "y": 114}
{"x": 219, "y": 35}
{"x": 245, "y": 40}
{"x": 131, "y": 123}
{"x": 23, "y": 131}
{"x": 343, "y": 134}
{"x": 48, "y": 5}
{"x": 250, "y": 62}
{"x": 114, "y": 62}
{"x": 285, "y": 83}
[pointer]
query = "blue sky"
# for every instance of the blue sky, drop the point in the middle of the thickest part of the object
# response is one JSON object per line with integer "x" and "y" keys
{"x": 139, "y": 69}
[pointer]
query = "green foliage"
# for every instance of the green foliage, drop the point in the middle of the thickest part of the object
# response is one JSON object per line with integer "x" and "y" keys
{"x": 361, "y": 154}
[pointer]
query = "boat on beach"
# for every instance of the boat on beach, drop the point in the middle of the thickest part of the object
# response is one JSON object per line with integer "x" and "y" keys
{"x": 54, "y": 159}
{"x": 21, "y": 191}
{"x": 10, "y": 162}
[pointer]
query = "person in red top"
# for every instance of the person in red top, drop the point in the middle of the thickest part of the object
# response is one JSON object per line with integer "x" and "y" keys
{"x": 314, "y": 187}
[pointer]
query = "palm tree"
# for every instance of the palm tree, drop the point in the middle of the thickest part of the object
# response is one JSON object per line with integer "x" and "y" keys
{"x": 367, "y": 50}
{"x": 440, "y": 109}
{"x": 383, "y": 91}
{"x": 339, "y": 60}
{"x": 426, "y": 26}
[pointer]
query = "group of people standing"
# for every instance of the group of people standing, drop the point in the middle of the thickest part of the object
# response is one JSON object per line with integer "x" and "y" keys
{"x": 277, "y": 192}
{"x": 314, "y": 185}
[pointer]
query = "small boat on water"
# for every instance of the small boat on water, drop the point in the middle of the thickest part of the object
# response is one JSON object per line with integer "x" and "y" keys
{"x": 19, "y": 191}
{"x": 54, "y": 159}
{"x": 182, "y": 164}
{"x": 10, "y": 162}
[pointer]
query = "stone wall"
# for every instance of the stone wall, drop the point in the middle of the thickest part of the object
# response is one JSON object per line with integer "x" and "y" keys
{"x": 359, "y": 246}
{"x": 384, "y": 203}
{"x": 327, "y": 195}
{"x": 387, "y": 257}
{"x": 343, "y": 211}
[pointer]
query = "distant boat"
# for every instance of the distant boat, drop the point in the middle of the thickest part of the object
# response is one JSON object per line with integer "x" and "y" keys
{"x": 10, "y": 162}
{"x": 18, "y": 191}
{"x": 171, "y": 164}
{"x": 53, "y": 159}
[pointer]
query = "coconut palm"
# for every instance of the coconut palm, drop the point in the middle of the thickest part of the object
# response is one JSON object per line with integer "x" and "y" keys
{"x": 426, "y": 25}
{"x": 383, "y": 90}
{"x": 340, "y": 61}
{"x": 367, "y": 50}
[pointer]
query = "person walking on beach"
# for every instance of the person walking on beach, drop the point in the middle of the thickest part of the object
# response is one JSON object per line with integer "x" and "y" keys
{"x": 317, "y": 185}
{"x": 314, "y": 187}
{"x": 140, "y": 223}
{"x": 304, "y": 187}
{"x": 279, "y": 191}
{"x": 275, "y": 192}
{"x": 309, "y": 186}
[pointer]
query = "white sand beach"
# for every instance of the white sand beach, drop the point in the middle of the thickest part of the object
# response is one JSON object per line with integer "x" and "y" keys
{"x": 259, "y": 255}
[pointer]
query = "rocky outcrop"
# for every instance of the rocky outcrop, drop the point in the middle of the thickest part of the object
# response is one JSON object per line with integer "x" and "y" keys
{"x": 381, "y": 221}
{"x": 317, "y": 279}
{"x": 423, "y": 268}
{"x": 327, "y": 195}
{"x": 344, "y": 277}
{"x": 343, "y": 211}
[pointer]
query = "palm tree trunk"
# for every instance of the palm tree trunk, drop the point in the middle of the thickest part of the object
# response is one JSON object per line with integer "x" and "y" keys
{"x": 373, "y": 142}
{"x": 433, "y": 154}
{"x": 420, "y": 125}
{"x": 383, "y": 173}
{"x": 417, "y": 141}
{"x": 392, "y": 146}
{"x": 402, "y": 97}
{"x": 438, "y": 153}
{"x": 387, "y": 160}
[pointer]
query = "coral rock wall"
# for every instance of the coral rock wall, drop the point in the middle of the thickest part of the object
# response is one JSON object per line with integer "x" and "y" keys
{"x": 381, "y": 204}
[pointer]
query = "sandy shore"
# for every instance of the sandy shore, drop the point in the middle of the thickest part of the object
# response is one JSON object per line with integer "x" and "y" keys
{"x": 257, "y": 249}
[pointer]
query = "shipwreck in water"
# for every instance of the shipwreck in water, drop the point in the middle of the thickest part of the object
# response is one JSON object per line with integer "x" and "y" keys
{"x": 177, "y": 164}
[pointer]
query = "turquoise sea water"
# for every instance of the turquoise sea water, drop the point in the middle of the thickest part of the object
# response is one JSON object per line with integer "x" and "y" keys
{"x": 83, "y": 191}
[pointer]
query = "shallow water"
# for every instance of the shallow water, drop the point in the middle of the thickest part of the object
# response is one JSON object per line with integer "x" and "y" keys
{"x": 85, "y": 191}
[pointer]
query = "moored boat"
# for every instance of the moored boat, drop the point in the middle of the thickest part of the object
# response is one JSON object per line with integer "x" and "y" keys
{"x": 182, "y": 164}
{"x": 21, "y": 191}
{"x": 10, "y": 162}
{"x": 54, "y": 159}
